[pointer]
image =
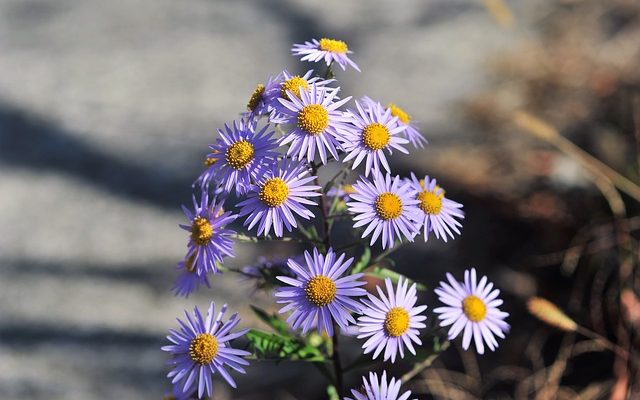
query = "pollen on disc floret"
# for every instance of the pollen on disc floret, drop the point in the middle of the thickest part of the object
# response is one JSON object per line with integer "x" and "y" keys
{"x": 430, "y": 202}
{"x": 273, "y": 192}
{"x": 203, "y": 348}
{"x": 256, "y": 97}
{"x": 293, "y": 85}
{"x": 332, "y": 45}
{"x": 313, "y": 118}
{"x": 240, "y": 154}
{"x": 388, "y": 206}
{"x": 320, "y": 290}
{"x": 375, "y": 136}
{"x": 201, "y": 231}
{"x": 396, "y": 321}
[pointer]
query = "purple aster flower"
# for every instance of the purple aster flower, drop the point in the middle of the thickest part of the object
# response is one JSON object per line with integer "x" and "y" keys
{"x": 258, "y": 103}
{"x": 293, "y": 84}
{"x": 316, "y": 123}
{"x": 379, "y": 390}
{"x": 200, "y": 348}
{"x": 388, "y": 206}
{"x": 391, "y": 321}
{"x": 472, "y": 306}
{"x": 189, "y": 281}
{"x": 209, "y": 241}
{"x": 329, "y": 50}
{"x": 238, "y": 155}
{"x": 279, "y": 192}
{"x": 438, "y": 213}
{"x": 320, "y": 293}
{"x": 411, "y": 133}
{"x": 374, "y": 130}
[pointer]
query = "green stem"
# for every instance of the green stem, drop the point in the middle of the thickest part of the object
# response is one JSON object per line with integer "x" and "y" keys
{"x": 337, "y": 364}
{"x": 335, "y": 356}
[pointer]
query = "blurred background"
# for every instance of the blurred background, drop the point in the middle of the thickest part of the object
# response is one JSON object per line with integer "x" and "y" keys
{"x": 106, "y": 110}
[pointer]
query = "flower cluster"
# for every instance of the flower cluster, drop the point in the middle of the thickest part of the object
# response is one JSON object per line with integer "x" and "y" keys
{"x": 265, "y": 168}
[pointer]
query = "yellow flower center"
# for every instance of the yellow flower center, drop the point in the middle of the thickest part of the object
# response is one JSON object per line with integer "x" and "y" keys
{"x": 274, "y": 192}
{"x": 400, "y": 113}
{"x": 256, "y": 96}
{"x": 201, "y": 231}
{"x": 375, "y": 136}
{"x": 239, "y": 154}
{"x": 474, "y": 308}
{"x": 348, "y": 189}
{"x": 430, "y": 202}
{"x": 334, "y": 46}
{"x": 209, "y": 161}
{"x": 388, "y": 206}
{"x": 396, "y": 322}
{"x": 203, "y": 348}
{"x": 293, "y": 85}
{"x": 313, "y": 119}
{"x": 320, "y": 290}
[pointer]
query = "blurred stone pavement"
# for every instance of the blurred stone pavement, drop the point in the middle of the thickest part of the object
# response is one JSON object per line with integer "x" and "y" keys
{"x": 106, "y": 108}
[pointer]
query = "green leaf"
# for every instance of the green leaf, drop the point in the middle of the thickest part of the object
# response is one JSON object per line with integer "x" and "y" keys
{"x": 383, "y": 273}
{"x": 332, "y": 392}
{"x": 315, "y": 339}
{"x": 363, "y": 262}
{"x": 270, "y": 345}
{"x": 272, "y": 320}
{"x": 280, "y": 347}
